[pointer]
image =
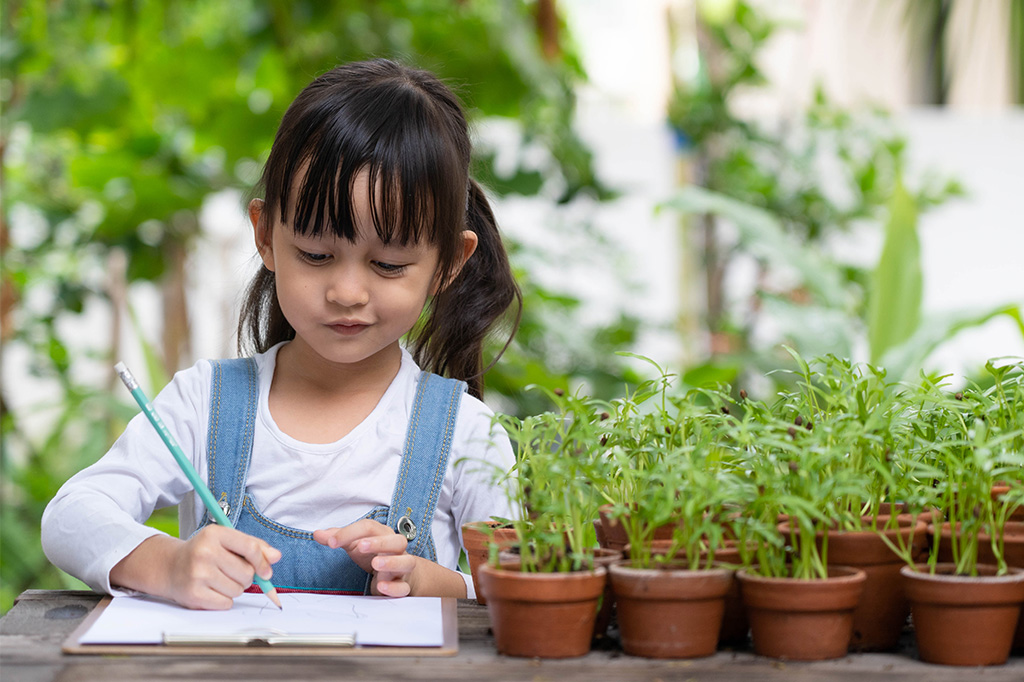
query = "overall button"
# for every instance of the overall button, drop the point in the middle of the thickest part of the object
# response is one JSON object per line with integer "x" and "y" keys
{"x": 406, "y": 528}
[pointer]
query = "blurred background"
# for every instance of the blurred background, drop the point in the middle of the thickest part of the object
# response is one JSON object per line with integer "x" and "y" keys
{"x": 702, "y": 182}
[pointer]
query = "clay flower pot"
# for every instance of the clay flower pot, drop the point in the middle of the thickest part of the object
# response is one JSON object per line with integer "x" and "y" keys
{"x": 544, "y": 615}
{"x": 1013, "y": 552}
{"x": 613, "y": 534}
{"x": 1000, "y": 489}
{"x": 735, "y": 627}
{"x": 476, "y": 539}
{"x": 669, "y": 612}
{"x": 605, "y": 558}
{"x": 964, "y": 620}
{"x": 602, "y": 557}
{"x": 883, "y": 608}
{"x": 802, "y": 620}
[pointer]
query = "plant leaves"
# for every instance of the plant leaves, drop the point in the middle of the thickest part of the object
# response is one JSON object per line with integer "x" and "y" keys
{"x": 904, "y": 360}
{"x": 894, "y": 300}
{"x": 763, "y": 236}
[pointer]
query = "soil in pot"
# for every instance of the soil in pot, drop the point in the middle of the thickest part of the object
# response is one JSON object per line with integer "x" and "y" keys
{"x": 883, "y": 608}
{"x": 476, "y": 538}
{"x": 669, "y": 612}
{"x": 544, "y": 615}
{"x": 964, "y": 620}
{"x": 802, "y": 620}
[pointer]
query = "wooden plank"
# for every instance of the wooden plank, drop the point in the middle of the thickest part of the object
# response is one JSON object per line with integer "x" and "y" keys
{"x": 32, "y": 632}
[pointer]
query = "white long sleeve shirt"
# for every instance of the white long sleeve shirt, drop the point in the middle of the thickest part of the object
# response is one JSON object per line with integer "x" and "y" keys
{"x": 97, "y": 517}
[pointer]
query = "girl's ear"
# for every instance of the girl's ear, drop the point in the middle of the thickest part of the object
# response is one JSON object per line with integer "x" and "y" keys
{"x": 261, "y": 231}
{"x": 469, "y": 244}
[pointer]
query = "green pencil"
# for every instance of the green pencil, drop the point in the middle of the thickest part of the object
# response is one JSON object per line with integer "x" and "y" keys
{"x": 200, "y": 487}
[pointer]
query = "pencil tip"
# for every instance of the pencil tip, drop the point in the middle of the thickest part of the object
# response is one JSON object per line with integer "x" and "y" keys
{"x": 272, "y": 595}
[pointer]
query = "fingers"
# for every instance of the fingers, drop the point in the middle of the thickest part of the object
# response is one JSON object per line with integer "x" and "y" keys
{"x": 392, "y": 574}
{"x": 256, "y": 553}
{"x": 363, "y": 529}
{"x": 217, "y": 565}
{"x": 368, "y": 544}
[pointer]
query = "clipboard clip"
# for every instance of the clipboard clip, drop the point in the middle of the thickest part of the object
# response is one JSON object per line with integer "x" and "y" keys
{"x": 259, "y": 639}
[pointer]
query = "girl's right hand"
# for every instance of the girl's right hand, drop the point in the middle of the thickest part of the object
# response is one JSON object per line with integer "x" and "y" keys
{"x": 207, "y": 571}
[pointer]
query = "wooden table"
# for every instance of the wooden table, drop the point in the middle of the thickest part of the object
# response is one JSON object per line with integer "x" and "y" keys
{"x": 32, "y": 632}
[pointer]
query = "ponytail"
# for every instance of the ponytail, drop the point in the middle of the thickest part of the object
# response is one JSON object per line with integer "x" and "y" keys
{"x": 451, "y": 340}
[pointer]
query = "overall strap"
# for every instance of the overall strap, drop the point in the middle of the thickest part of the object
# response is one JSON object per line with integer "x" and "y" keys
{"x": 425, "y": 460}
{"x": 234, "y": 395}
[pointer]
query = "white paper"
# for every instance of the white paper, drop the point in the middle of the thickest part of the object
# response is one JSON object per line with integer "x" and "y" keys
{"x": 375, "y": 621}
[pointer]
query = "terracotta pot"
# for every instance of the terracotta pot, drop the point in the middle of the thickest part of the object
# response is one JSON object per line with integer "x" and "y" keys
{"x": 1013, "y": 552}
{"x": 933, "y": 515}
{"x": 883, "y": 608}
{"x": 477, "y": 541}
{"x": 802, "y": 620}
{"x": 735, "y": 626}
{"x": 963, "y": 620}
{"x": 605, "y": 558}
{"x": 602, "y": 557}
{"x": 1013, "y": 537}
{"x": 613, "y": 533}
{"x": 1013, "y": 540}
{"x": 1001, "y": 489}
{"x": 544, "y": 615}
{"x": 669, "y": 612}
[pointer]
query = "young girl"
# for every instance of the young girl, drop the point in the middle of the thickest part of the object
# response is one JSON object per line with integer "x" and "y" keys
{"x": 343, "y": 466}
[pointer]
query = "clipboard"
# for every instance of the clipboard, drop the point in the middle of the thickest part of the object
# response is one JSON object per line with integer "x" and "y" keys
{"x": 264, "y": 644}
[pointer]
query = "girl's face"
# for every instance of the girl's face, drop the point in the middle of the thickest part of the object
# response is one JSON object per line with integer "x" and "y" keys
{"x": 348, "y": 302}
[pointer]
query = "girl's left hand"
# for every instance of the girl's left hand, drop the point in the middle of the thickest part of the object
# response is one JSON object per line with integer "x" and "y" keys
{"x": 378, "y": 550}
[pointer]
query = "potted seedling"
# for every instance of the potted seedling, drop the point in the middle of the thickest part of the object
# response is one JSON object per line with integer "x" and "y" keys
{"x": 799, "y": 605}
{"x": 544, "y": 601}
{"x": 967, "y": 441}
{"x": 857, "y": 414}
{"x": 635, "y": 438}
{"x": 671, "y": 601}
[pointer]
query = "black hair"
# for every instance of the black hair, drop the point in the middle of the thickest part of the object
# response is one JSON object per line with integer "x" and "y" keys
{"x": 407, "y": 129}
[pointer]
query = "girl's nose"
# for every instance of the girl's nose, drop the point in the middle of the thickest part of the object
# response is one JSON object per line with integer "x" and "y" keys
{"x": 348, "y": 288}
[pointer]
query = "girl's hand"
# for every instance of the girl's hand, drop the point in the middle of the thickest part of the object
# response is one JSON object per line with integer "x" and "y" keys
{"x": 378, "y": 550}
{"x": 205, "y": 572}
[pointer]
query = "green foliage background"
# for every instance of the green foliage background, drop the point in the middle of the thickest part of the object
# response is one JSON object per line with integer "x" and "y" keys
{"x": 121, "y": 118}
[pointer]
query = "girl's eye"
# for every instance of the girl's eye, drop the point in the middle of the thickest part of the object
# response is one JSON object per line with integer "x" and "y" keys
{"x": 314, "y": 258}
{"x": 389, "y": 268}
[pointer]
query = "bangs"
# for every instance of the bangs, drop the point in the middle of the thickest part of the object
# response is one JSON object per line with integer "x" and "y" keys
{"x": 417, "y": 171}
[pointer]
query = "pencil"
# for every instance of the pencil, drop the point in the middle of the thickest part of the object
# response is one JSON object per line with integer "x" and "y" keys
{"x": 200, "y": 487}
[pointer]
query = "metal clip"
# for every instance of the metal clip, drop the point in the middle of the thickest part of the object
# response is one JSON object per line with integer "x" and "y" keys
{"x": 407, "y": 528}
{"x": 223, "y": 502}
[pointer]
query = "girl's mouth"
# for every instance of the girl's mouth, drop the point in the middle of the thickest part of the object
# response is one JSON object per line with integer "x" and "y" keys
{"x": 348, "y": 328}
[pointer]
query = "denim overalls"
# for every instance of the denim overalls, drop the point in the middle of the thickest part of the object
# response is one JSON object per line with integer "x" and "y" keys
{"x": 305, "y": 564}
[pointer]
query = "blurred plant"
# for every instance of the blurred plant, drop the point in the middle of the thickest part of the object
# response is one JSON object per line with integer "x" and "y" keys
{"x": 759, "y": 193}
